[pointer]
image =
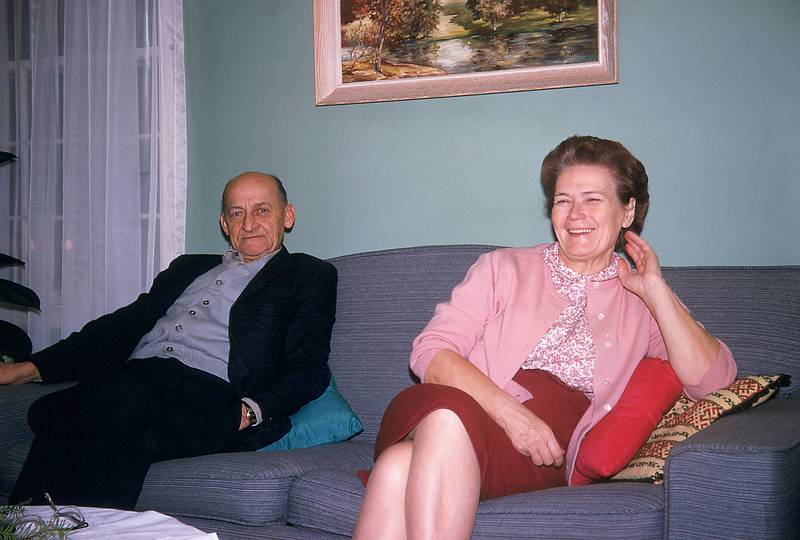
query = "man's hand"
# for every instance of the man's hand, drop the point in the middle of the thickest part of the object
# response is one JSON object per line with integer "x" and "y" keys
{"x": 244, "y": 422}
{"x": 532, "y": 437}
{"x": 19, "y": 373}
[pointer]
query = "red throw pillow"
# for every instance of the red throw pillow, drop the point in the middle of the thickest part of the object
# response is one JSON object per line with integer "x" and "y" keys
{"x": 613, "y": 441}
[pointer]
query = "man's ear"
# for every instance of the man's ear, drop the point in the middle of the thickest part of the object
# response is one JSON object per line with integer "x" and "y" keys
{"x": 223, "y": 224}
{"x": 630, "y": 213}
{"x": 288, "y": 217}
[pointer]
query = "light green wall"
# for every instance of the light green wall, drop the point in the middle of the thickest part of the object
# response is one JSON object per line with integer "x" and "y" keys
{"x": 708, "y": 100}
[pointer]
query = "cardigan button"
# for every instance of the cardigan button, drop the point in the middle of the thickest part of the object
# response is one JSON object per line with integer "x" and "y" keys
{"x": 607, "y": 407}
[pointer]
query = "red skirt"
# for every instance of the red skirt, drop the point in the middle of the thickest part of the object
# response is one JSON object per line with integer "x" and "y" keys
{"x": 504, "y": 470}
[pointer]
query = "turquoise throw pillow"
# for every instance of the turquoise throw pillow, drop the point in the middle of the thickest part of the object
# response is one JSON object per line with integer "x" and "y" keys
{"x": 325, "y": 420}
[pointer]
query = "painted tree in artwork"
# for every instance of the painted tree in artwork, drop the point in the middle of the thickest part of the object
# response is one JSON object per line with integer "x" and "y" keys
{"x": 389, "y": 22}
{"x": 361, "y": 35}
{"x": 493, "y": 11}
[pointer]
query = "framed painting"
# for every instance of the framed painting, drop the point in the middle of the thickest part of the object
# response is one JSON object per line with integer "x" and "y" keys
{"x": 386, "y": 50}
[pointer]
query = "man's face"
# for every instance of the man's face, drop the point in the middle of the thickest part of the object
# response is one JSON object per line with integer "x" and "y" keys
{"x": 255, "y": 217}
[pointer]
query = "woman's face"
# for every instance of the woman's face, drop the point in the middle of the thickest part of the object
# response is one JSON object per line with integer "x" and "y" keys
{"x": 587, "y": 217}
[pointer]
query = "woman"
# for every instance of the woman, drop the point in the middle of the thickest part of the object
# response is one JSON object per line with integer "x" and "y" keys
{"x": 534, "y": 347}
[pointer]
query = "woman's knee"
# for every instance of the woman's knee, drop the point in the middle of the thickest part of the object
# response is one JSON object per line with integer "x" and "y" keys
{"x": 444, "y": 439}
{"x": 441, "y": 423}
{"x": 393, "y": 465}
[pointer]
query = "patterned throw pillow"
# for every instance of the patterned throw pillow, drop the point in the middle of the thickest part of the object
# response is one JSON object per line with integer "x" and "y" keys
{"x": 687, "y": 418}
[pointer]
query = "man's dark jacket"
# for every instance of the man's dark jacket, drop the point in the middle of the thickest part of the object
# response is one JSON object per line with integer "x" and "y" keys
{"x": 279, "y": 331}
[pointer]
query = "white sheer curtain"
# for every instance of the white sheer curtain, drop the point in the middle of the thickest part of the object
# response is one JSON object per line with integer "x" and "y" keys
{"x": 94, "y": 106}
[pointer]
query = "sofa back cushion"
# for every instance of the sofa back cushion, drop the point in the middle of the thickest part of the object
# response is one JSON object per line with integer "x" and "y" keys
{"x": 385, "y": 298}
{"x": 755, "y": 310}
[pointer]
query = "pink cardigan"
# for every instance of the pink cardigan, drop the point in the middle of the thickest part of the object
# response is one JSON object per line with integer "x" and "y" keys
{"x": 498, "y": 314}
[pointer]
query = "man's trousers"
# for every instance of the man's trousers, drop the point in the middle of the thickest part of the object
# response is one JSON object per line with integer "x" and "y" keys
{"x": 95, "y": 441}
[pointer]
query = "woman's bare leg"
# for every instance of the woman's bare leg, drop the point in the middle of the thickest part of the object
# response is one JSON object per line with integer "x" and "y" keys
{"x": 423, "y": 488}
{"x": 383, "y": 510}
{"x": 444, "y": 480}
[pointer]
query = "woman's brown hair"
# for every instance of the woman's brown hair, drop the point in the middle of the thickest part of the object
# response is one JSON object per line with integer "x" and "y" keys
{"x": 629, "y": 173}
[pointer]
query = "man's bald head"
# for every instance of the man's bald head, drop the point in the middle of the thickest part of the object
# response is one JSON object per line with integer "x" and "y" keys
{"x": 255, "y": 214}
{"x": 255, "y": 175}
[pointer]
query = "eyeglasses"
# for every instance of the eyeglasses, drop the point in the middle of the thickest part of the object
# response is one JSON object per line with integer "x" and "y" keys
{"x": 18, "y": 523}
{"x": 67, "y": 517}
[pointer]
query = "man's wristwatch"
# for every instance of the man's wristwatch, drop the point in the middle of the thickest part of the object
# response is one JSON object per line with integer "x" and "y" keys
{"x": 251, "y": 414}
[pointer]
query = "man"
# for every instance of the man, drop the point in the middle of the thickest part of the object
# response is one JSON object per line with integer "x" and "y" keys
{"x": 214, "y": 358}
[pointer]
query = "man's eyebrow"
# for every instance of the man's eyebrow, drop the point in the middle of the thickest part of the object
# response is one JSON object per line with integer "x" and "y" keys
{"x": 241, "y": 207}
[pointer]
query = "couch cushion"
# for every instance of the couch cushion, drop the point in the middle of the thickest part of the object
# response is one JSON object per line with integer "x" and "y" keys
{"x": 329, "y": 500}
{"x": 243, "y": 487}
{"x": 753, "y": 309}
{"x": 12, "y": 458}
{"x": 272, "y": 531}
{"x": 384, "y": 300}
{"x": 598, "y": 511}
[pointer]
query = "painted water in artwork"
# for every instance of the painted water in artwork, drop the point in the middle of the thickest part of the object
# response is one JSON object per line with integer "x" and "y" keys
{"x": 390, "y": 39}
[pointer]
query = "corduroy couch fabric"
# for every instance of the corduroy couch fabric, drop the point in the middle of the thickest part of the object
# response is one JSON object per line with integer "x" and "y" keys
{"x": 740, "y": 478}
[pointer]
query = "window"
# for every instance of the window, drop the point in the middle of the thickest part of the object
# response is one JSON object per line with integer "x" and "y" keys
{"x": 96, "y": 113}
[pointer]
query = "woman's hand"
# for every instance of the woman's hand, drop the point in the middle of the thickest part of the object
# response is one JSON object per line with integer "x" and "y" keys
{"x": 531, "y": 436}
{"x": 528, "y": 433}
{"x": 645, "y": 278}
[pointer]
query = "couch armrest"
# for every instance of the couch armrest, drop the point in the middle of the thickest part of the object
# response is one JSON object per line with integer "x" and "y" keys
{"x": 14, "y": 404}
{"x": 739, "y": 478}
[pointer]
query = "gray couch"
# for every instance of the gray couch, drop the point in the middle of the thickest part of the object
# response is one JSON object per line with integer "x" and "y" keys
{"x": 740, "y": 478}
